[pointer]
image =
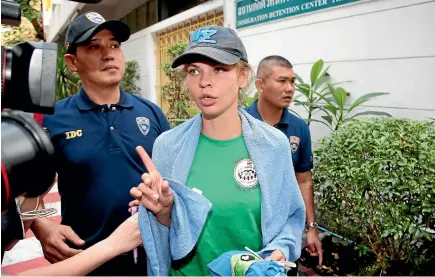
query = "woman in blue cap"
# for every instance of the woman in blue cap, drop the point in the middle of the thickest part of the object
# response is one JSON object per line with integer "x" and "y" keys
{"x": 233, "y": 168}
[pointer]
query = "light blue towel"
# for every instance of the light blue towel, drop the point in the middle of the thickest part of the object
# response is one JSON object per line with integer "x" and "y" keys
{"x": 282, "y": 206}
{"x": 266, "y": 268}
{"x": 222, "y": 266}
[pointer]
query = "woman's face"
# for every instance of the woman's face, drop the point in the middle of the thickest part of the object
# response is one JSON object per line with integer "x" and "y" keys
{"x": 214, "y": 87}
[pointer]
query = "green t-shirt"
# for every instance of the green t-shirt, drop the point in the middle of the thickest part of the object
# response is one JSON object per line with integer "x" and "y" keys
{"x": 223, "y": 171}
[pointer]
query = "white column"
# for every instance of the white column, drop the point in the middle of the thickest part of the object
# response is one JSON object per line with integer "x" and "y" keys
{"x": 230, "y": 13}
{"x": 151, "y": 92}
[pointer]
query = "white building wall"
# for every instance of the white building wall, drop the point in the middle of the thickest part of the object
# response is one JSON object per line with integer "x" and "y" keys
{"x": 380, "y": 45}
{"x": 60, "y": 17}
{"x": 140, "y": 47}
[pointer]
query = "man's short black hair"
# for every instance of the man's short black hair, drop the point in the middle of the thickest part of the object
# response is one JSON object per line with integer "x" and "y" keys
{"x": 269, "y": 62}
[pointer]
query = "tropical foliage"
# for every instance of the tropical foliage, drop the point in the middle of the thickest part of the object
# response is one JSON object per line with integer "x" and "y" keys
{"x": 375, "y": 184}
{"x": 320, "y": 95}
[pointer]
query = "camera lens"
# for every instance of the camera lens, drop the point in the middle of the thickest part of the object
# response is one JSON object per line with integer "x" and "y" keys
{"x": 6, "y": 63}
{"x": 26, "y": 155}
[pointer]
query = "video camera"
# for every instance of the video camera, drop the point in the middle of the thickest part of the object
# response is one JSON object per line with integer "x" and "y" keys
{"x": 28, "y": 79}
{"x": 28, "y": 86}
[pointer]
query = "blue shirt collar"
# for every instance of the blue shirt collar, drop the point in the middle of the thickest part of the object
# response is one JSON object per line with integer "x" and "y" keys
{"x": 253, "y": 110}
{"x": 85, "y": 103}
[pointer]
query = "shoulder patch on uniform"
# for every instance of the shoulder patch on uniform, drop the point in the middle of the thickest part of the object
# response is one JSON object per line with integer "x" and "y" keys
{"x": 294, "y": 143}
{"x": 144, "y": 125}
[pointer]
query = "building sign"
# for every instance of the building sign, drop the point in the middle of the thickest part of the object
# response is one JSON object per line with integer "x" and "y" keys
{"x": 253, "y": 12}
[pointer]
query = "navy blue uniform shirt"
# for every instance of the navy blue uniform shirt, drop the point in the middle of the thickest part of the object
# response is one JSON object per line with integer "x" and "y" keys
{"x": 96, "y": 159}
{"x": 298, "y": 133}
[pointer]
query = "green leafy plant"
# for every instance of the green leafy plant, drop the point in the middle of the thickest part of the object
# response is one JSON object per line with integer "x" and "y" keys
{"x": 12, "y": 35}
{"x": 319, "y": 95}
{"x": 375, "y": 184}
{"x": 175, "y": 92}
{"x": 336, "y": 111}
{"x": 131, "y": 78}
{"x": 248, "y": 100}
{"x": 310, "y": 93}
{"x": 244, "y": 94}
{"x": 31, "y": 9}
{"x": 67, "y": 82}
{"x": 30, "y": 28}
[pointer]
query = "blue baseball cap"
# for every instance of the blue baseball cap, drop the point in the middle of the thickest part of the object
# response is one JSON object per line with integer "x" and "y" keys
{"x": 217, "y": 43}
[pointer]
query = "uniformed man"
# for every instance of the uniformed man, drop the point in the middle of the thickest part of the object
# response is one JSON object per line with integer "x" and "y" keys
{"x": 95, "y": 134}
{"x": 276, "y": 86}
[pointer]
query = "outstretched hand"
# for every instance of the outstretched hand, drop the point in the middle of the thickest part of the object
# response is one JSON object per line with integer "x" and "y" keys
{"x": 154, "y": 192}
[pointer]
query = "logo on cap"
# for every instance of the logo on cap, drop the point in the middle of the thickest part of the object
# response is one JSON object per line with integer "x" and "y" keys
{"x": 204, "y": 35}
{"x": 95, "y": 17}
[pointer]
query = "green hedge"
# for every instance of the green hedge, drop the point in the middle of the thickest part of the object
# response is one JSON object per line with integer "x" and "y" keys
{"x": 375, "y": 184}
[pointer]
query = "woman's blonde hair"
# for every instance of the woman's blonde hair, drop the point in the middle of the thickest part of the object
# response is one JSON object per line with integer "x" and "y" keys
{"x": 242, "y": 66}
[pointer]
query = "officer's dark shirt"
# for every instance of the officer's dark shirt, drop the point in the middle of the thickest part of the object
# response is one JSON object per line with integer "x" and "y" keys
{"x": 298, "y": 133}
{"x": 96, "y": 160}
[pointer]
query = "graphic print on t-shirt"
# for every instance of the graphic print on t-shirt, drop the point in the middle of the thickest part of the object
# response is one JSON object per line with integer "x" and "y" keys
{"x": 245, "y": 174}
